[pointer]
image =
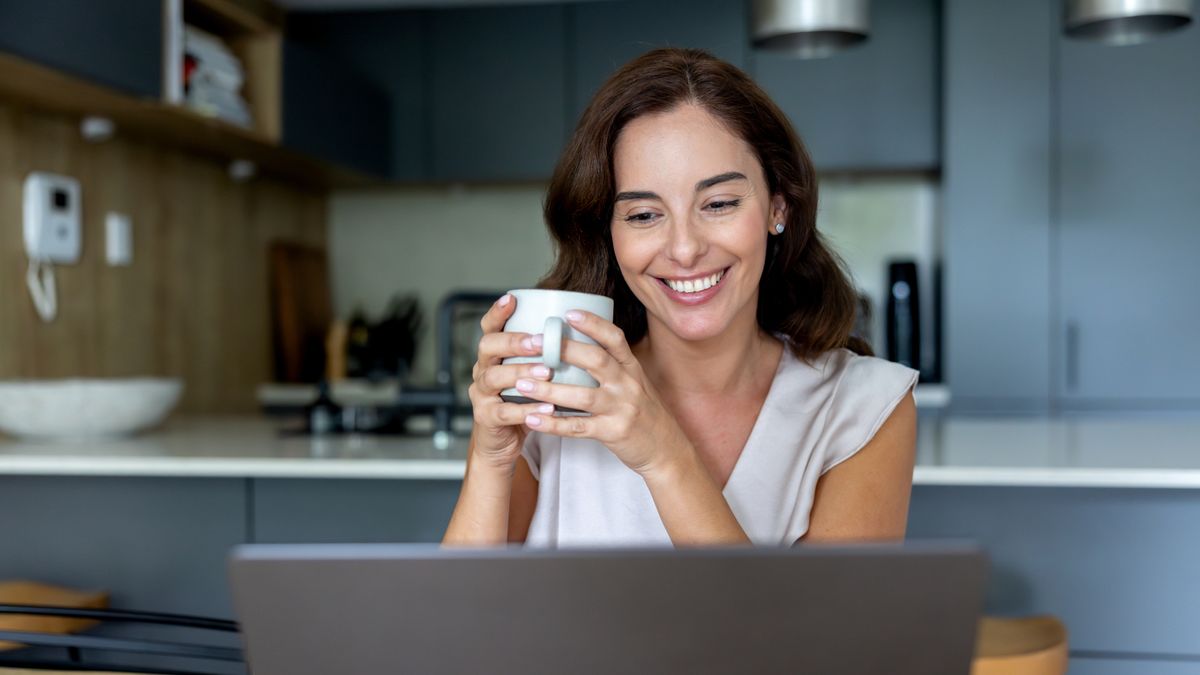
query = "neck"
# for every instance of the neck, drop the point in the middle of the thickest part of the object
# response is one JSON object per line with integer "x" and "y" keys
{"x": 721, "y": 364}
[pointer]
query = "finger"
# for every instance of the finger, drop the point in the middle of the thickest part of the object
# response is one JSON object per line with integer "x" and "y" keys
{"x": 495, "y": 379}
{"x": 498, "y": 314}
{"x": 565, "y": 395}
{"x": 496, "y": 346}
{"x": 595, "y": 359}
{"x": 605, "y": 332}
{"x": 512, "y": 414}
{"x": 575, "y": 426}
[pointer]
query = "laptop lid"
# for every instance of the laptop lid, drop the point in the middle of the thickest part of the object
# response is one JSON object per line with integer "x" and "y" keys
{"x": 367, "y": 609}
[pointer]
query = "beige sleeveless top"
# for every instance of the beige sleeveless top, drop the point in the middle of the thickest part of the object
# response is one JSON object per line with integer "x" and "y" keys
{"x": 815, "y": 416}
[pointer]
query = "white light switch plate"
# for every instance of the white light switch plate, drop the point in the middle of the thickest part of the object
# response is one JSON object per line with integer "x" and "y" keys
{"x": 118, "y": 238}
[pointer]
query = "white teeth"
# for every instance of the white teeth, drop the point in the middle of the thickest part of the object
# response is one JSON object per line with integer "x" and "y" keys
{"x": 695, "y": 285}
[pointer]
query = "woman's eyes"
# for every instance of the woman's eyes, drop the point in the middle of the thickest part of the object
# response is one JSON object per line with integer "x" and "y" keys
{"x": 719, "y": 206}
{"x": 723, "y": 205}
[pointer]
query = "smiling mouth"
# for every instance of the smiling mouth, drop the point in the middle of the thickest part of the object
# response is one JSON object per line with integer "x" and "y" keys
{"x": 694, "y": 285}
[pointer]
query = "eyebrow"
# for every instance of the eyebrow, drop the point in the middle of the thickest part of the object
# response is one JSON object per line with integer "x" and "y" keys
{"x": 701, "y": 185}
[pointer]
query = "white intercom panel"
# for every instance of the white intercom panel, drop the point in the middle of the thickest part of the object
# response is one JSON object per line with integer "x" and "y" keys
{"x": 52, "y": 215}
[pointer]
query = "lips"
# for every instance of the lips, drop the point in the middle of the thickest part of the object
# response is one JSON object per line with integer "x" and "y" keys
{"x": 697, "y": 297}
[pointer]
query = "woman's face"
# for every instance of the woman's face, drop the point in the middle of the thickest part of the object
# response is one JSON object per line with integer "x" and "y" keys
{"x": 691, "y": 202}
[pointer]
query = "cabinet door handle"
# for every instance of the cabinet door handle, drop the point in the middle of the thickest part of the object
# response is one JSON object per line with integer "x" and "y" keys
{"x": 1072, "y": 355}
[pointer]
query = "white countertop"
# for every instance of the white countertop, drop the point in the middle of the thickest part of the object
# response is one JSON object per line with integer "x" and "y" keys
{"x": 1089, "y": 451}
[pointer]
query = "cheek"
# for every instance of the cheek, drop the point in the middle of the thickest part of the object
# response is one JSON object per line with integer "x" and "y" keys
{"x": 747, "y": 239}
{"x": 633, "y": 253}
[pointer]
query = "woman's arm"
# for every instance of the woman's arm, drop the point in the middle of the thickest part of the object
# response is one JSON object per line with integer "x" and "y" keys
{"x": 522, "y": 504}
{"x": 480, "y": 517}
{"x": 865, "y": 498}
{"x": 690, "y": 503}
{"x": 493, "y": 506}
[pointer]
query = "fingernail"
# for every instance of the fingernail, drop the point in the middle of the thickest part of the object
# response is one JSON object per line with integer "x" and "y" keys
{"x": 574, "y": 316}
{"x": 540, "y": 371}
{"x": 537, "y": 340}
{"x": 525, "y": 385}
{"x": 533, "y": 421}
{"x": 526, "y": 343}
{"x": 546, "y": 408}
{"x": 505, "y": 299}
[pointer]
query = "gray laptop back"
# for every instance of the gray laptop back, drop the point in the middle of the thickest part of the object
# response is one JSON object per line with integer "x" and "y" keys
{"x": 371, "y": 609}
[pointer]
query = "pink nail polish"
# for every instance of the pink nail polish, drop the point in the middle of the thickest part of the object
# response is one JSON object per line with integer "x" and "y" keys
{"x": 525, "y": 385}
{"x": 505, "y": 299}
{"x": 533, "y": 421}
{"x": 546, "y": 408}
{"x": 574, "y": 316}
{"x": 537, "y": 340}
{"x": 540, "y": 371}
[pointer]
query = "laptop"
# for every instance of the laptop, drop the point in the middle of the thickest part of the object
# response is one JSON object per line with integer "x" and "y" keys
{"x": 371, "y": 609}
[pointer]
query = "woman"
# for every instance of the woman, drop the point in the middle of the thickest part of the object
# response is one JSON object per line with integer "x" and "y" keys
{"x": 740, "y": 411}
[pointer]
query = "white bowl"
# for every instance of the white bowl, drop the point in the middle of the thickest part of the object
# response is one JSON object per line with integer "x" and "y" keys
{"x": 84, "y": 408}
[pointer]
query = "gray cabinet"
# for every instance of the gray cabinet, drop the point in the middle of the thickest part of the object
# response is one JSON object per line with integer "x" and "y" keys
{"x": 1129, "y": 223}
{"x": 387, "y": 48}
{"x": 332, "y": 112}
{"x": 1070, "y": 214}
{"x": 606, "y": 35}
{"x": 156, "y": 544}
{"x": 352, "y": 511}
{"x": 117, "y": 43}
{"x": 997, "y": 202}
{"x": 497, "y": 92}
{"x": 874, "y": 106}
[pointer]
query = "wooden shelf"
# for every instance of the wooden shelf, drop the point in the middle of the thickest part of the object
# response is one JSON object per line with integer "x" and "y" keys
{"x": 234, "y": 16}
{"x": 35, "y": 86}
{"x": 252, "y": 31}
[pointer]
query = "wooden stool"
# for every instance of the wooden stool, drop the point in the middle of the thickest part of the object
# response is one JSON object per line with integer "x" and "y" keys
{"x": 1021, "y": 646}
{"x": 33, "y": 593}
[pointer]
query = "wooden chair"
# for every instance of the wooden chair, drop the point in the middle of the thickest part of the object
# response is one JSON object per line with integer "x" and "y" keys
{"x": 1020, "y": 646}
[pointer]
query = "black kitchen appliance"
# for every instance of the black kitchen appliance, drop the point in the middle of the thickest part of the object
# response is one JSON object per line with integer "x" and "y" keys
{"x": 904, "y": 314}
{"x": 913, "y": 317}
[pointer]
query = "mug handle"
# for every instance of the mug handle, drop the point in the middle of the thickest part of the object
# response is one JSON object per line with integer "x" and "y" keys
{"x": 552, "y": 336}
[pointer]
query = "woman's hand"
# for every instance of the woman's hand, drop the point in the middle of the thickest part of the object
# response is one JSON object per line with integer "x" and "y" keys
{"x": 627, "y": 414}
{"x": 499, "y": 432}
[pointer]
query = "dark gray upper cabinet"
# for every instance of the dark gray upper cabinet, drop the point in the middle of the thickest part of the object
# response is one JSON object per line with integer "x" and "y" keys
{"x": 874, "y": 106}
{"x": 331, "y": 112}
{"x": 387, "y": 48}
{"x": 1129, "y": 229}
{"x": 606, "y": 35}
{"x": 497, "y": 92}
{"x": 117, "y": 43}
{"x": 996, "y": 203}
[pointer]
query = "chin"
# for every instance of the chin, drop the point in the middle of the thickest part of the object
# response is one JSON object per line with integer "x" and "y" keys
{"x": 696, "y": 328}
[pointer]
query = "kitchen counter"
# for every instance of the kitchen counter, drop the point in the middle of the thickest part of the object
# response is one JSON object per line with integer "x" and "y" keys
{"x": 1147, "y": 451}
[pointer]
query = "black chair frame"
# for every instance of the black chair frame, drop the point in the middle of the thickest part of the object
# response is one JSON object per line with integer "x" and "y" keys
{"x": 76, "y": 642}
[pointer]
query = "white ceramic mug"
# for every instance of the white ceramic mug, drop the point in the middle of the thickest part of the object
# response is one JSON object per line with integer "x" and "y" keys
{"x": 543, "y": 311}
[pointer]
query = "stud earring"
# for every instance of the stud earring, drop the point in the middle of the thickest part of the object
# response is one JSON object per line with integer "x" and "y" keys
{"x": 778, "y": 228}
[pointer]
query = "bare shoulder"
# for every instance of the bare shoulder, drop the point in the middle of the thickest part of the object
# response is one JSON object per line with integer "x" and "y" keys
{"x": 866, "y": 497}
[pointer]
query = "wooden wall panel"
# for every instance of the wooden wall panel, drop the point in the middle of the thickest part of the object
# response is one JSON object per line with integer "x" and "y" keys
{"x": 193, "y": 304}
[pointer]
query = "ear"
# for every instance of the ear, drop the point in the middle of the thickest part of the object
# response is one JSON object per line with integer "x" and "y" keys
{"x": 778, "y": 209}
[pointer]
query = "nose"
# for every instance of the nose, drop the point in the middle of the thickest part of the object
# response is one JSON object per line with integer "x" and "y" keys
{"x": 686, "y": 244}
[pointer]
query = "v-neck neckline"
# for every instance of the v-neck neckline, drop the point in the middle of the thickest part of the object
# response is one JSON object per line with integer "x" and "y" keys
{"x": 763, "y": 410}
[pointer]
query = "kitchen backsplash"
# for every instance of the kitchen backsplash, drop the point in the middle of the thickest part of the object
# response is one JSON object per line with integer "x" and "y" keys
{"x": 193, "y": 304}
{"x": 428, "y": 241}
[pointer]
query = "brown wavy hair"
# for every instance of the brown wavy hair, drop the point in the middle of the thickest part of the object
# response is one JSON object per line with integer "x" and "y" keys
{"x": 804, "y": 292}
